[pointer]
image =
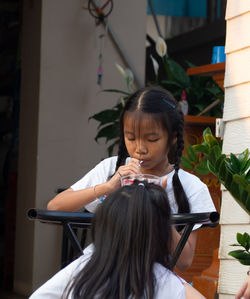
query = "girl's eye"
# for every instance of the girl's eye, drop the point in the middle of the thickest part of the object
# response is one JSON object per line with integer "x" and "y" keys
{"x": 130, "y": 139}
{"x": 153, "y": 140}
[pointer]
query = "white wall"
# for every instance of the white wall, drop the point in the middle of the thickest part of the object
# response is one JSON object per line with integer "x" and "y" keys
{"x": 236, "y": 138}
{"x": 59, "y": 93}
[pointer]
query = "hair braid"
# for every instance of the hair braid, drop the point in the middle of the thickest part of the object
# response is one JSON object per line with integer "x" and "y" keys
{"x": 180, "y": 196}
{"x": 122, "y": 154}
{"x": 180, "y": 143}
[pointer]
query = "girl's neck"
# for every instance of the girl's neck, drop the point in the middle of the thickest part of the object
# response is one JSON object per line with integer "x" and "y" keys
{"x": 159, "y": 172}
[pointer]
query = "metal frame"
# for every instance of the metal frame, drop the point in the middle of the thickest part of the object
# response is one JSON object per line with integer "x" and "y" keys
{"x": 71, "y": 220}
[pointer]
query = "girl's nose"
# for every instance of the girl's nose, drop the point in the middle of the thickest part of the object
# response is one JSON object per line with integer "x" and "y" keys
{"x": 141, "y": 148}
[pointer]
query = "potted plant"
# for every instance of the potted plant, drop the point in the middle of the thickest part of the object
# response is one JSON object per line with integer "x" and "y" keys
{"x": 198, "y": 92}
{"x": 233, "y": 172}
{"x": 194, "y": 93}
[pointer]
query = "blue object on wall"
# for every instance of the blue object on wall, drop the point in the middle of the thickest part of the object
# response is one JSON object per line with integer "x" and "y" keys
{"x": 180, "y": 8}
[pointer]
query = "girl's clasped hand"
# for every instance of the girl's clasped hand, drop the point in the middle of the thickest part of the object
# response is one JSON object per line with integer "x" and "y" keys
{"x": 133, "y": 167}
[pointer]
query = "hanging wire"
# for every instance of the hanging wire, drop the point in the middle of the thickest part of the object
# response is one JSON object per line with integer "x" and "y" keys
{"x": 155, "y": 18}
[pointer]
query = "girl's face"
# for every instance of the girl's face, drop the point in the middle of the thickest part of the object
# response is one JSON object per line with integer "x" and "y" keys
{"x": 147, "y": 141}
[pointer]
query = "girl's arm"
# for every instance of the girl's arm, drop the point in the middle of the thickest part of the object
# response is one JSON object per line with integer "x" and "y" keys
{"x": 187, "y": 254}
{"x": 192, "y": 293}
{"x": 71, "y": 201}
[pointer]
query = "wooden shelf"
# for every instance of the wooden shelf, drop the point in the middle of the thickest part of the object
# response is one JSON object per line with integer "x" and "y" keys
{"x": 199, "y": 120}
{"x": 215, "y": 70}
{"x": 207, "y": 70}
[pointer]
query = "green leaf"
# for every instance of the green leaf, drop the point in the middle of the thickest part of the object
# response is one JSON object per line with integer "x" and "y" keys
{"x": 243, "y": 156}
{"x": 239, "y": 238}
{"x": 247, "y": 205}
{"x": 234, "y": 189}
{"x": 202, "y": 168}
{"x": 219, "y": 161}
{"x": 214, "y": 154}
{"x": 178, "y": 73}
{"x": 191, "y": 154}
{"x": 201, "y": 148}
{"x": 229, "y": 165}
{"x": 217, "y": 151}
{"x": 227, "y": 176}
{"x": 106, "y": 116}
{"x": 235, "y": 163}
{"x": 185, "y": 162}
{"x": 240, "y": 181}
{"x": 190, "y": 64}
{"x": 207, "y": 131}
{"x": 211, "y": 167}
{"x": 245, "y": 166}
{"x": 211, "y": 140}
{"x": 109, "y": 132}
{"x": 168, "y": 82}
{"x": 247, "y": 176}
{"x": 213, "y": 90}
{"x": 223, "y": 173}
{"x": 243, "y": 196}
{"x": 246, "y": 241}
{"x": 117, "y": 91}
{"x": 242, "y": 256}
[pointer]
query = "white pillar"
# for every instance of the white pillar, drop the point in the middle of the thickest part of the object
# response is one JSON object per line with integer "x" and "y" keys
{"x": 236, "y": 138}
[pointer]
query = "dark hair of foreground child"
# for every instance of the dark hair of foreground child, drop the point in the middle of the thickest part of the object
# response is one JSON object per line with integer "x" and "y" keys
{"x": 131, "y": 232}
{"x": 132, "y": 238}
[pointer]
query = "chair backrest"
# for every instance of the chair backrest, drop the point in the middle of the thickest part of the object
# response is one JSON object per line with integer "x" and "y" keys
{"x": 72, "y": 220}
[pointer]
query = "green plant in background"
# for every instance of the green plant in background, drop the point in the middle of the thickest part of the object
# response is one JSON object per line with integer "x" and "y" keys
{"x": 242, "y": 255}
{"x": 233, "y": 172}
{"x": 108, "y": 119}
{"x": 199, "y": 92}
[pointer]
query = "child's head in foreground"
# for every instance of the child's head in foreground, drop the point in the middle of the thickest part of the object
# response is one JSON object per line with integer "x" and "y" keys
{"x": 131, "y": 232}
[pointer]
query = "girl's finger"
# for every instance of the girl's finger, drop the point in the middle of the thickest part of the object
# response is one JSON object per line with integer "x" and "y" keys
{"x": 125, "y": 172}
{"x": 135, "y": 161}
{"x": 241, "y": 291}
{"x": 129, "y": 169}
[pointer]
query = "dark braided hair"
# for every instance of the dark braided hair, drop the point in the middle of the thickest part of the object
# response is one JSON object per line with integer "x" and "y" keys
{"x": 163, "y": 107}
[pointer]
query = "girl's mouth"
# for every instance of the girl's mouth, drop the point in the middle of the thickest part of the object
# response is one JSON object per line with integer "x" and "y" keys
{"x": 143, "y": 162}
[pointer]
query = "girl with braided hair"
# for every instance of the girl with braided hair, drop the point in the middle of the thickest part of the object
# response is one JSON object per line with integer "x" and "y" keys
{"x": 151, "y": 142}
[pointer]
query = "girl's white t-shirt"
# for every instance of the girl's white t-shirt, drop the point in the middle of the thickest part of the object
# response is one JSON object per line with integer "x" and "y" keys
{"x": 168, "y": 284}
{"x": 197, "y": 192}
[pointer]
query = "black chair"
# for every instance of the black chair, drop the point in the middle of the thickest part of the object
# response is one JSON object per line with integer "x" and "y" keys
{"x": 71, "y": 221}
